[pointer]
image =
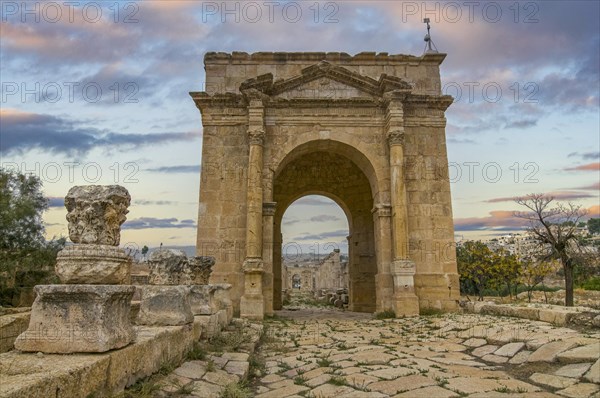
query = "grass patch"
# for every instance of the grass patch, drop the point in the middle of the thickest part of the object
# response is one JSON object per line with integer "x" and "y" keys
{"x": 387, "y": 314}
{"x": 299, "y": 380}
{"x": 338, "y": 381}
{"x": 236, "y": 390}
{"x": 430, "y": 312}
{"x": 198, "y": 352}
{"x": 229, "y": 341}
{"x": 324, "y": 362}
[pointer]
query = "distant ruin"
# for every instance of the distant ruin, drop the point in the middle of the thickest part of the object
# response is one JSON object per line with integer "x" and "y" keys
{"x": 328, "y": 274}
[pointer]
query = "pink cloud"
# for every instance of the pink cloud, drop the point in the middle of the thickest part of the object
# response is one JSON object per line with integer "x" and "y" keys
{"x": 498, "y": 219}
{"x": 585, "y": 167}
{"x": 558, "y": 195}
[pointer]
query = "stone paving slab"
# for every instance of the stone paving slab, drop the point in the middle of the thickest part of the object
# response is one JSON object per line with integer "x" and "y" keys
{"x": 442, "y": 356}
{"x": 585, "y": 353}
{"x": 593, "y": 375}
{"x": 549, "y": 351}
{"x": 581, "y": 390}
{"x": 576, "y": 370}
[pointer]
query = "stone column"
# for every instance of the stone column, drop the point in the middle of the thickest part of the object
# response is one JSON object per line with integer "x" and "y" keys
{"x": 268, "y": 215}
{"x": 252, "y": 302}
{"x": 403, "y": 269}
{"x": 384, "y": 282}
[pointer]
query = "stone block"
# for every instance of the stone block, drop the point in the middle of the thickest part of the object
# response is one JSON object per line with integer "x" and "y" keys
{"x": 78, "y": 318}
{"x": 93, "y": 264}
{"x": 201, "y": 268}
{"x": 209, "y": 325}
{"x": 11, "y": 326}
{"x": 202, "y": 299}
{"x": 169, "y": 267}
{"x": 555, "y": 316}
{"x": 165, "y": 305}
{"x": 223, "y": 299}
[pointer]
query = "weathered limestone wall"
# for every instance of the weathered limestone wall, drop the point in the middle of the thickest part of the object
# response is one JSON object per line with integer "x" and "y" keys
{"x": 332, "y": 273}
{"x": 430, "y": 223}
{"x": 222, "y": 214}
{"x": 225, "y": 72}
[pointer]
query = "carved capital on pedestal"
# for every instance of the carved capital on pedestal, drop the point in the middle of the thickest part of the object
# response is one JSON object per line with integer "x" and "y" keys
{"x": 269, "y": 208}
{"x": 396, "y": 137}
{"x": 253, "y": 265}
{"x": 96, "y": 212}
{"x": 256, "y": 136}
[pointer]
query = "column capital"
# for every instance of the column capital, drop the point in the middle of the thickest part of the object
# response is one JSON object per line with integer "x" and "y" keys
{"x": 252, "y": 265}
{"x": 395, "y": 97}
{"x": 382, "y": 210}
{"x": 269, "y": 208}
{"x": 256, "y": 136}
{"x": 396, "y": 137}
{"x": 403, "y": 267}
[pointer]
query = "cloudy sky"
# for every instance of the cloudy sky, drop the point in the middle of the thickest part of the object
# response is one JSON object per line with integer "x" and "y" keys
{"x": 99, "y": 94}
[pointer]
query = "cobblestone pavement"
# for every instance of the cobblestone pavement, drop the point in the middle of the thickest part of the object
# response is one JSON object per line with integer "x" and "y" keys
{"x": 324, "y": 353}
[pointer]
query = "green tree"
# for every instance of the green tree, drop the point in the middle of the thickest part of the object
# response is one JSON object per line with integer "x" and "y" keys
{"x": 21, "y": 206}
{"x": 507, "y": 270}
{"x": 145, "y": 251}
{"x": 25, "y": 257}
{"x": 593, "y": 225}
{"x": 478, "y": 267}
{"x": 533, "y": 273}
{"x": 555, "y": 228}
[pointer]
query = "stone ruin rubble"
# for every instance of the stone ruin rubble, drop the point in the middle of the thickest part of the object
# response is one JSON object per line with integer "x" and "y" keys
{"x": 92, "y": 311}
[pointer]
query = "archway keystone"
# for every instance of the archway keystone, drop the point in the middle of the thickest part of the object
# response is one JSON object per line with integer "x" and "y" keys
{"x": 367, "y": 131}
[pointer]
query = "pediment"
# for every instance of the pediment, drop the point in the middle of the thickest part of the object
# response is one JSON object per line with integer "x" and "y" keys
{"x": 326, "y": 81}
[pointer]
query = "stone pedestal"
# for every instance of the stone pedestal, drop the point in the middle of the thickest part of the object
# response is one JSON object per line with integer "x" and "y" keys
{"x": 202, "y": 299}
{"x": 78, "y": 318}
{"x": 165, "y": 306}
{"x": 405, "y": 300}
{"x": 252, "y": 302}
{"x": 93, "y": 264}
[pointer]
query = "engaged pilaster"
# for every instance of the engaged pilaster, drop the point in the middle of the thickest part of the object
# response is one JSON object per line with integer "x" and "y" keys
{"x": 382, "y": 215}
{"x": 402, "y": 269}
{"x": 268, "y": 215}
{"x": 252, "y": 302}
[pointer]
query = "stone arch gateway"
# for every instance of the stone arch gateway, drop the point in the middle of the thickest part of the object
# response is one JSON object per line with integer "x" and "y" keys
{"x": 368, "y": 131}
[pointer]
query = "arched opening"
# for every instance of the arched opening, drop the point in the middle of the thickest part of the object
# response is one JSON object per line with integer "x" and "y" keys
{"x": 314, "y": 264}
{"x": 296, "y": 281}
{"x": 333, "y": 172}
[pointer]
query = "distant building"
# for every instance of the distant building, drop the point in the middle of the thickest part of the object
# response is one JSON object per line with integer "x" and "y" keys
{"x": 330, "y": 273}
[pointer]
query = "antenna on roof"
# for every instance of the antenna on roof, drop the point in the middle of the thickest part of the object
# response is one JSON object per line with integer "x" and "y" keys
{"x": 430, "y": 47}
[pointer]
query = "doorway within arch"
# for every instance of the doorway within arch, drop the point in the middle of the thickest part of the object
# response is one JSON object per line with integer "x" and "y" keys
{"x": 335, "y": 175}
{"x": 315, "y": 249}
